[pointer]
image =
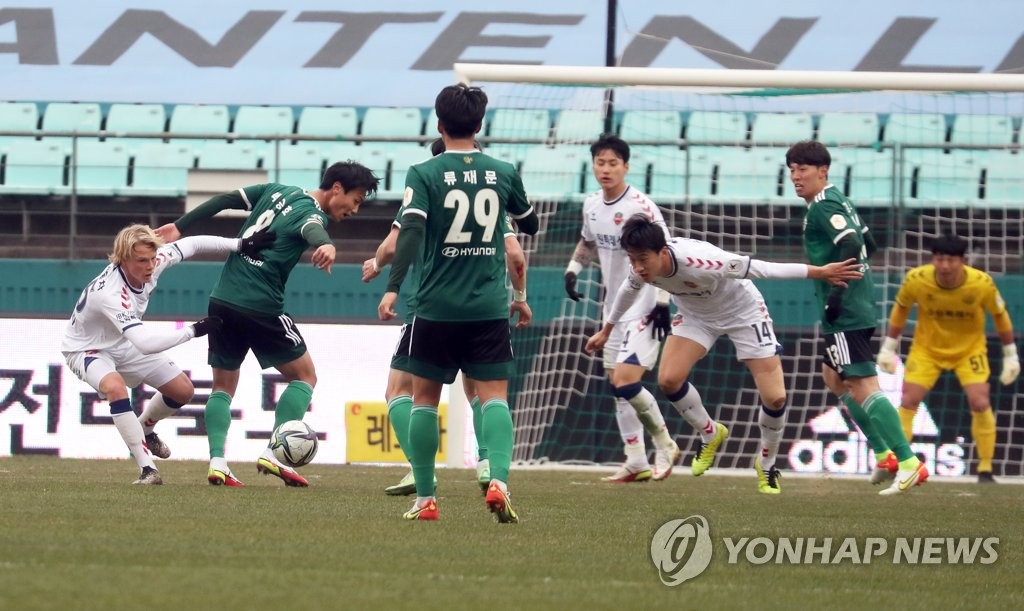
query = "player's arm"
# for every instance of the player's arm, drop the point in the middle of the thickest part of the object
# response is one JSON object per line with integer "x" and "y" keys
{"x": 849, "y": 248}
{"x": 410, "y": 241}
{"x": 886, "y": 359}
{"x": 235, "y": 200}
{"x": 1011, "y": 360}
{"x": 625, "y": 297}
{"x": 383, "y": 256}
{"x": 518, "y": 207}
{"x": 148, "y": 341}
{"x": 315, "y": 234}
{"x": 215, "y": 245}
{"x": 584, "y": 253}
{"x": 834, "y": 273}
{"x": 515, "y": 261}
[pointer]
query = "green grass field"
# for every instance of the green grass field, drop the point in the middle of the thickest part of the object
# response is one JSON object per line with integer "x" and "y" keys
{"x": 75, "y": 535}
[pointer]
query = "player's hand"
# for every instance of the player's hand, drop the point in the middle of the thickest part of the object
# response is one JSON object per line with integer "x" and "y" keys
{"x": 660, "y": 321}
{"x": 323, "y": 257}
{"x": 596, "y": 342}
{"x": 886, "y": 359}
{"x": 259, "y": 241}
{"x": 570, "y": 287}
{"x": 386, "y": 309}
{"x": 1011, "y": 365}
{"x": 207, "y": 325}
{"x": 168, "y": 233}
{"x": 370, "y": 269}
{"x": 523, "y": 310}
{"x": 833, "y": 307}
{"x": 838, "y": 273}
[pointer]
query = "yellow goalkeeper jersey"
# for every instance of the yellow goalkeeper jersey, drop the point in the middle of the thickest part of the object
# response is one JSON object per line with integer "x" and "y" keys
{"x": 950, "y": 322}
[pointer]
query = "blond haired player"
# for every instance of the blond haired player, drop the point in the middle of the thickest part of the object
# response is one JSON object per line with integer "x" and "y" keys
{"x": 951, "y": 299}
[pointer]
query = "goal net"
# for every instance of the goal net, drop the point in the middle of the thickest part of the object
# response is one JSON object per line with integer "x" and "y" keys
{"x": 919, "y": 154}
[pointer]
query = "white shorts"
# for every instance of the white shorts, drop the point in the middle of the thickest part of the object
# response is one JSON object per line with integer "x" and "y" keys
{"x": 136, "y": 368}
{"x": 750, "y": 331}
{"x": 631, "y": 342}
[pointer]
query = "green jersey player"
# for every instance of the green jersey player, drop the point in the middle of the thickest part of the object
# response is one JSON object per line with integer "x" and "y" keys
{"x": 834, "y": 232}
{"x": 249, "y": 297}
{"x": 452, "y": 211}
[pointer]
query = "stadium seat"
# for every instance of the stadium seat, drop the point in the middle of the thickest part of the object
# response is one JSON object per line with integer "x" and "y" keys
{"x": 101, "y": 168}
{"x": 916, "y": 128}
{"x": 35, "y": 167}
{"x": 161, "y": 169}
{"x": 17, "y": 117}
{"x": 381, "y": 122}
{"x": 651, "y": 126}
{"x": 754, "y": 174}
{"x": 868, "y": 175}
{"x": 848, "y": 128}
{"x": 781, "y": 129}
{"x": 299, "y": 165}
{"x": 576, "y": 125}
{"x": 228, "y": 156}
{"x": 71, "y": 117}
{"x": 992, "y": 130}
{"x": 336, "y": 121}
{"x": 531, "y": 126}
{"x": 704, "y": 127}
{"x": 931, "y": 176}
{"x": 552, "y": 173}
{"x": 197, "y": 120}
{"x": 678, "y": 175}
{"x": 1004, "y": 178}
{"x": 400, "y": 158}
{"x": 264, "y": 121}
{"x": 137, "y": 119}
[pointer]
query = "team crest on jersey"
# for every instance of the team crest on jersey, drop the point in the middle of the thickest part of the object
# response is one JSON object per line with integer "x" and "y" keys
{"x": 677, "y": 320}
{"x": 467, "y": 160}
{"x": 838, "y": 221}
{"x": 618, "y": 218}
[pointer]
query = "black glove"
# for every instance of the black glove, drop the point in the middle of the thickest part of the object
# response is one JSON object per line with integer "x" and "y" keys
{"x": 206, "y": 325}
{"x": 661, "y": 322}
{"x": 252, "y": 245}
{"x": 570, "y": 287}
{"x": 833, "y": 306}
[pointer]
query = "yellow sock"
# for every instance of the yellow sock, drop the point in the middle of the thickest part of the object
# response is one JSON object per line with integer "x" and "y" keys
{"x": 983, "y": 429}
{"x": 907, "y": 420}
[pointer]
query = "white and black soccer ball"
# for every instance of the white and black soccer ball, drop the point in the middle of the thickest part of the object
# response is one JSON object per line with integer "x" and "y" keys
{"x": 294, "y": 443}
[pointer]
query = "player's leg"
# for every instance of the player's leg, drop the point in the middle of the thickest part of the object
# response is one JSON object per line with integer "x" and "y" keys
{"x": 399, "y": 397}
{"x": 483, "y": 464}
{"x": 631, "y": 429}
{"x": 638, "y": 354}
{"x": 170, "y": 396}
{"x": 919, "y": 376}
{"x": 228, "y": 347}
{"x": 771, "y": 419}
{"x": 973, "y": 374}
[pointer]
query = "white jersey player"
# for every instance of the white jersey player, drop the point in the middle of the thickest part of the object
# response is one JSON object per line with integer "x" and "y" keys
{"x": 713, "y": 296}
{"x": 107, "y": 346}
{"x": 636, "y": 339}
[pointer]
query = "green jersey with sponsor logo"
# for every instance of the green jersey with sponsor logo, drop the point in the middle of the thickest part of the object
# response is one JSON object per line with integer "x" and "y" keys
{"x": 830, "y": 218}
{"x": 258, "y": 286}
{"x": 463, "y": 196}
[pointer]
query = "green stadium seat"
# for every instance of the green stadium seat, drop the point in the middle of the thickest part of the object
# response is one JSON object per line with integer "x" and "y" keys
{"x": 552, "y": 173}
{"x": 531, "y": 126}
{"x": 1004, "y": 178}
{"x": 753, "y": 174}
{"x": 263, "y": 121}
{"x": 35, "y": 167}
{"x": 726, "y": 127}
{"x": 71, "y": 117}
{"x": 849, "y": 128}
{"x": 578, "y": 125}
{"x": 381, "y": 122}
{"x": 679, "y": 174}
{"x": 299, "y": 165}
{"x": 336, "y": 121}
{"x": 138, "y": 119}
{"x": 865, "y": 175}
{"x": 992, "y": 130}
{"x": 198, "y": 120}
{"x": 101, "y": 168}
{"x": 651, "y": 126}
{"x": 932, "y": 177}
{"x": 781, "y": 129}
{"x": 916, "y": 128}
{"x": 17, "y": 117}
{"x": 400, "y": 158}
{"x": 161, "y": 169}
{"x": 228, "y": 156}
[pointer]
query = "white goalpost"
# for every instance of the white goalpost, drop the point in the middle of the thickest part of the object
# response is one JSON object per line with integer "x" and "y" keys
{"x": 920, "y": 154}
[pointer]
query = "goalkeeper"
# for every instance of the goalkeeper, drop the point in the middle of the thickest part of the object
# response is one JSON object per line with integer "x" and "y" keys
{"x": 952, "y": 299}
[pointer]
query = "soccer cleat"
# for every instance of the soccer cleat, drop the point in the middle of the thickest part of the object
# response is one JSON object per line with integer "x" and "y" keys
{"x": 907, "y": 479}
{"x": 985, "y": 477}
{"x": 157, "y": 447}
{"x": 483, "y": 474}
{"x": 885, "y": 470}
{"x": 149, "y": 477}
{"x": 706, "y": 454}
{"x": 267, "y": 466}
{"x": 664, "y": 460}
{"x": 769, "y": 482}
{"x": 426, "y": 512}
{"x": 405, "y": 486}
{"x": 216, "y": 477}
{"x": 500, "y": 505}
{"x": 627, "y": 473}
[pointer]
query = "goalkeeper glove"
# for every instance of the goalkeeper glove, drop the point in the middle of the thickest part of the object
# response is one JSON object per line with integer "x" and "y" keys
{"x": 252, "y": 245}
{"x": 207, "y": 325}
{"x": 887, "y": 358}
{"x": 1011, "y": 365}
{"x": 833, "y": 306}
{"x": 661, "y": 322}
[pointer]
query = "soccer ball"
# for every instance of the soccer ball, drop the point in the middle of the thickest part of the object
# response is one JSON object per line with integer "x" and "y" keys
{"x": 294, "y": 443}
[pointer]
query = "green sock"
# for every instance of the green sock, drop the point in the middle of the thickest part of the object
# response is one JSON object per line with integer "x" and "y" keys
{"x": 422, "y": 450}
{"x": 497, "y": 422}
{"x": 863, "y": 420}
{"x": 294, "y": 402}
{"x": 887, "y": 423}
{"x": 218, "y": 420}
{"x": 478, "y": 428}
{"x": 398, "y": 413}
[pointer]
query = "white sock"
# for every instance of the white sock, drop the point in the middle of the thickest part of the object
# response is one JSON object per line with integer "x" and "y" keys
{"x": 156, "y": 410}
{"x": 771, "y": 434}
{"x": 220, "y": 463}
{"x": 692, "y": 410}
{"x": 632, "y": 431}
{"x": 650, "y": 416}
{"x": 131, "y": 432}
